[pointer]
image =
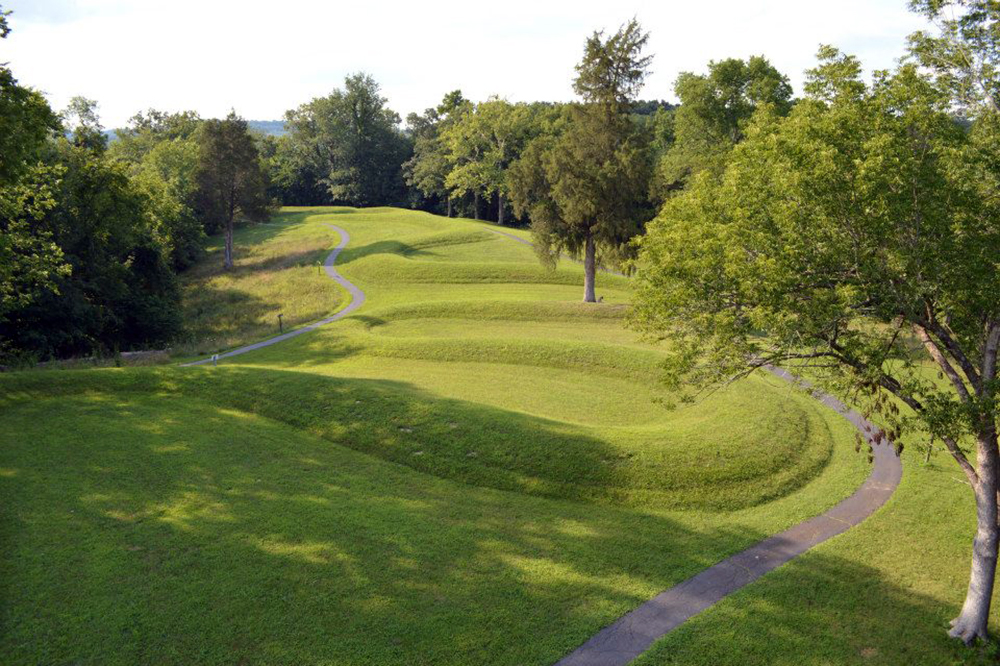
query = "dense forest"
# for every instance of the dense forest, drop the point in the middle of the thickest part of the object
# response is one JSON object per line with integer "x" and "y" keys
{"x": 96, "y": 223}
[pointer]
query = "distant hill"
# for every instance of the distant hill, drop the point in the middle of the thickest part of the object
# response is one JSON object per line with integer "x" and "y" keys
{"x": 275, "y": 127}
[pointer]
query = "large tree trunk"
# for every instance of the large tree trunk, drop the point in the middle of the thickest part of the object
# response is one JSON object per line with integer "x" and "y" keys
{"x": 475, "y": 205}
{"x": 229, "y": 245}
{"x": 589, "y": 271}
{"x": 500, "y": 209}
{"x": 973, "y": 620}
{"x": 449, "y": 206}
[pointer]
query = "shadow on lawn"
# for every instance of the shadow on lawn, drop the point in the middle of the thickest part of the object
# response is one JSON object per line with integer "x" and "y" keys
{"x": 256, "y": 234}
{"x": 465, "y": 441}
{"x": 822, "y": 610}
{"x": 142, "y": 538}
{"x": 240, "y": 313}
{"x": 353, "y": 253}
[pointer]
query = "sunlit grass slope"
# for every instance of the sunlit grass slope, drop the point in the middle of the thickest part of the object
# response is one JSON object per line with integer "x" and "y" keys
{"x": 471, "y": 469}
{"x": 275, "y": 272}
{"x": 457, "y": 310}
{"x": 205, "y": 516}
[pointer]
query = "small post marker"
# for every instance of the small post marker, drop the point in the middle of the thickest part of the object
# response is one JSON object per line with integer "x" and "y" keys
{"x": 281, "y": 327}
{"x": 215, "y": 359}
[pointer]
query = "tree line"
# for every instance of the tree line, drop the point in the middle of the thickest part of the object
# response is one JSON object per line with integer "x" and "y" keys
{"x": 93, "y": 233}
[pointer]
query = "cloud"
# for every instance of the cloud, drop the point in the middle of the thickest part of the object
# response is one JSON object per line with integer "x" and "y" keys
{"x": 263, "y": 58}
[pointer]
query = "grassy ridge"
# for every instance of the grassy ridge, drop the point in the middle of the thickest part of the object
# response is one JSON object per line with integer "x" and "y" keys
{"x": 197, "y": 532}
{"x": 545, "y": 354}
{"x": 275, "y": 271}
{"x": 471, "y": 469}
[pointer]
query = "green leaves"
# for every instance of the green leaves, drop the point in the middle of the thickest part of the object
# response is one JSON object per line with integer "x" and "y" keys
{"x": 588, "y": 184}
{"x": 965, "y": 54}
{"x": 350, "y": 144}
{"x": 829, "y": 235}
{"x": 714, "y": 113}
{"x": 30, "y": 262}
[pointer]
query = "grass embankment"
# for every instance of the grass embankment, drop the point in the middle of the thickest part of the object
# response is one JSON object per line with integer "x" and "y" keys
{"x": 275, "y": 272}
{"x": 149, "y": 517}
{"x": 521, "y": 489}
{"x": 439, "y": 319}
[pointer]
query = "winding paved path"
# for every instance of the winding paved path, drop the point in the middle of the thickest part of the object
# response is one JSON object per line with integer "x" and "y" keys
{"x": 357, "y": 299}
{"x": 633, "y": 633}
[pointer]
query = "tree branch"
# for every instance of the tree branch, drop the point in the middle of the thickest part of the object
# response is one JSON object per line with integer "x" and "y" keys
{"x": 942, "y": 362}
{"x": 956, "y": 351}
{"x": 990, "y": 352}
{"x": 963, "y": 462}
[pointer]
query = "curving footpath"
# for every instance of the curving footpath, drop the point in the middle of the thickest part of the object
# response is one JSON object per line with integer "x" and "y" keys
{"x": 357, "y": 300}
{"x": 633, "y": 633}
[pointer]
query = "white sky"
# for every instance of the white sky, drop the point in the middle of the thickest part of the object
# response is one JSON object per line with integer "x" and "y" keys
{"x": 265, "y": 57}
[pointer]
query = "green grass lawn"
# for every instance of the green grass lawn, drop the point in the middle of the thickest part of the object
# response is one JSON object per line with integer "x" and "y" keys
{"x": 275, "y": 272}
{"x": 473, "y": 468}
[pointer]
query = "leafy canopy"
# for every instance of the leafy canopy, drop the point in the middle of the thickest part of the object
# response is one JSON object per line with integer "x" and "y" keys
{"x": 847, "y": 237}
{"x": 585, "y": 187}
{"x": 714, "y": 112}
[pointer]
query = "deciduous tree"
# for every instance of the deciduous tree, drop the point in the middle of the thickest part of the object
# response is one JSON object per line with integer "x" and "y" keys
{"x": 427, "y": 170}
{"x": 232, "y": 183}
{"x": 161, "y": 151}
{"x": 714, "y": 110}
{"x": 481, "y": 144}
{"x": 850, "y": 240}
{"x": 29, "y": 261}
{"x": 351, "y": 142}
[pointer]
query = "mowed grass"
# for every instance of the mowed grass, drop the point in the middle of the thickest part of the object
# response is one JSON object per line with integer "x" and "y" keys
{"x": 275, "y": 272}
{"x": 158, "y": 516}
{"x": 881, "y": 593}
{"x": 471, "y": 469}
{"x": 456, "y": 310}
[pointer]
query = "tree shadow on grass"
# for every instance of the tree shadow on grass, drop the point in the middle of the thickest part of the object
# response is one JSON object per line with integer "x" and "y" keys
{"x": 216, "y": 318}
{"x": 353, "y": 253}
{"x": 260, "y": 233}
{"x": 172, "y": 531}
{"x": 820, "y": 609}
{"x": 280, "y": 261}
{"x": 469, "y": 442}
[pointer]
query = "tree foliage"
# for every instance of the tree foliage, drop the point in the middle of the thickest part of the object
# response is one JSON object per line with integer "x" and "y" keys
{"x": 585, "y": 189}
{"x": 121, "y": 292}
{"x": 850, "y": 239}
{"x": 714, "y": 111}
{"x": 430, "y": 164}
{"x": 965, "y": 53}
{"x": 481, "y": 144}
{"x": 351, "y": 143}
{"x": 231, "y": 180}
{"x": 25, "y": 120}
{"x": 161, "y": 151}
{"x": 30, "y": 262}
